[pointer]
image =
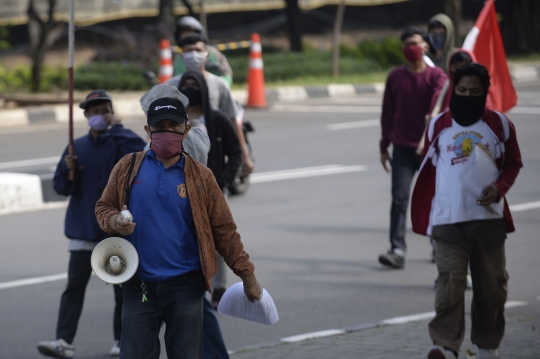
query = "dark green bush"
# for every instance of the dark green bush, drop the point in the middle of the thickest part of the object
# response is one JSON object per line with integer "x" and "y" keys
{"x": 110, "y": 76}
{"x": 291, "y": 65}
{"x": 19, "y": 78}
{"x": 386, "y": 52}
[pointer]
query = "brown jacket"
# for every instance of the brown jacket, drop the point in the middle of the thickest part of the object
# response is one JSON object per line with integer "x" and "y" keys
{"x": 213, "y": 219}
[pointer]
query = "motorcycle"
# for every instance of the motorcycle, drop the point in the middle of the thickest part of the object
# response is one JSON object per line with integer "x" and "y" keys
{"x": 241, "y": 181}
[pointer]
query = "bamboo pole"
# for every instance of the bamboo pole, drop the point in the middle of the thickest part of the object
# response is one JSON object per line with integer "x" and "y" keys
{"x": 71, "y": 47}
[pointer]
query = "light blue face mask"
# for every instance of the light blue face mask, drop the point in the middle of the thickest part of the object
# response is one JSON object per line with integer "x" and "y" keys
{"x": 98, "y": 122}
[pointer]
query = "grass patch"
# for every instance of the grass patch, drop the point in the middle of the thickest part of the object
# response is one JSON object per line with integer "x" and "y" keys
{"x": 110, "y": 76}
{"x": 379, "y": 76}
{"x": 525, "y": 58}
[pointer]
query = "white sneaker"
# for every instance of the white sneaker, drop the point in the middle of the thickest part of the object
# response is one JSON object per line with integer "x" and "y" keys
{"x": 487, "y": 354}
{"x": 438, "y": 352}
{"x": 115, "y": 350}
{"x": 57, "y": 349}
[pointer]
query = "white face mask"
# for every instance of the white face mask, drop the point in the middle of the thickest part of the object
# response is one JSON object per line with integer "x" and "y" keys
{"x": 194, "y": 59}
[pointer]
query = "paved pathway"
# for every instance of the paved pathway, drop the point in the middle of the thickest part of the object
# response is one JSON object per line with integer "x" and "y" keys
{"x": 409, "y": 340}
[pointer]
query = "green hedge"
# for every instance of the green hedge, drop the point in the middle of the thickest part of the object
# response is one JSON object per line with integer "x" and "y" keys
{"x": 366, "y": 57}
{"x": 19, "y": 78}
{"x": 110, "y": 76}
{"x": 291, "y": 65}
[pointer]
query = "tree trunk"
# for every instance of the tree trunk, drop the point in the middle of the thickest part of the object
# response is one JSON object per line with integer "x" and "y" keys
{"x": 189, "y": 8}
{"x": 452, "y": 8}
{"x": 337, "y": 37}
{"x": 293, "y": 25}
{"x": 202, "y": 17}
{"x": 39, "y": 32}
{"x": 166, "y": 20}
{"x": 520, "y": 26}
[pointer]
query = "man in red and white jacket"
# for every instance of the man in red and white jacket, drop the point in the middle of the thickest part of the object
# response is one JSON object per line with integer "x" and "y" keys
{"x": 467, "y": 228}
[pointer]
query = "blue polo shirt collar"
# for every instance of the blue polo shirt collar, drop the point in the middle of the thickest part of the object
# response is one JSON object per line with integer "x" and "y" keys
{"x": 152, "y": 155}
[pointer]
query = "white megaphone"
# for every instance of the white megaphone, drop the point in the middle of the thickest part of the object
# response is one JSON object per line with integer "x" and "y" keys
{"x": 114, "y": 260}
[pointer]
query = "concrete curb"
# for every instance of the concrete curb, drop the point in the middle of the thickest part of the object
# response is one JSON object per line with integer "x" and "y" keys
{"x": 19, "y": 192}
{"x": 128, "y": 105}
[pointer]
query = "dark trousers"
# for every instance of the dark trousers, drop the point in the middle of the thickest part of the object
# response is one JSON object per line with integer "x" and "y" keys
{"x": 213, "y": 344}
{"x": 71, "y": 303}
{"x": 177, "y": 302}
{"x": 405, "y": 163}
{"x": 480, "y": 243}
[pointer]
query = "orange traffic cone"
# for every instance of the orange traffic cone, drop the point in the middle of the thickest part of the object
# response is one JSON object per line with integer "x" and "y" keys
{"x": 256, "y": 93}
{"x": 165, "y": 62}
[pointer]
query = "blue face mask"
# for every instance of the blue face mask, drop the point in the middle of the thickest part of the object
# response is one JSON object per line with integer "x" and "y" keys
{"x": 437, "y": 41}
{"x": 98, "y": 122}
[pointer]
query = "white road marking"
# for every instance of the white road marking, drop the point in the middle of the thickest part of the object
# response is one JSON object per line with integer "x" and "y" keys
{"x": 35, "y": 280}
{"x": 303, "y": 173}
{"x": 27, "y": 163}
{"x": 46, "y": 205}
{"x": 319, "y": 334}
{"x": 355, "y": 124}
{"x": 528, "y": 94}
{"x": 408, "y": 318}
{"x": 514, "y": 303}
{"x": 527, "y": 110}
{"x": 329, "y": 109}
{"x": 524, "y": 206}
{"x": 391, "y": 321}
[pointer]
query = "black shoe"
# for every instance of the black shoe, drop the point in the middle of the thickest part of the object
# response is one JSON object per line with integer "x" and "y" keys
{"x": 392, "y": 260}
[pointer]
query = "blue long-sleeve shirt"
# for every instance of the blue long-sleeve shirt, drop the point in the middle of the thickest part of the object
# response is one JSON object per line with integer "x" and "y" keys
{"x": 95, "y": 161}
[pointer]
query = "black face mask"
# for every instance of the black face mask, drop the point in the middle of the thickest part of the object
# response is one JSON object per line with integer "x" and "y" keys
{"x": 467, "y": 110}
{"x": 437, "y": 41}
{"x": 194, "y": 96}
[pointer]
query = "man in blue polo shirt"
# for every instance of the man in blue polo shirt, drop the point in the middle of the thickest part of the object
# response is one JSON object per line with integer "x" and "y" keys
{"x": 180, "y": 219}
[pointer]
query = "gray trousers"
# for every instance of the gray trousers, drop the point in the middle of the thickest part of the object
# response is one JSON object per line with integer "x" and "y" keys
{"x": 480, "y": 244}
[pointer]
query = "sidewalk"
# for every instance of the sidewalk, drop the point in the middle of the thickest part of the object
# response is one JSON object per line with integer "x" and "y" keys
{"x": 127, "y": 103}
{"x": 398, "y": 341}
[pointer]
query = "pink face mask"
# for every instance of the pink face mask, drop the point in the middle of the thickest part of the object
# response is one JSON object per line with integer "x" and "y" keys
{"x": 413, "y": 53}
{"x": 166, "y": 144}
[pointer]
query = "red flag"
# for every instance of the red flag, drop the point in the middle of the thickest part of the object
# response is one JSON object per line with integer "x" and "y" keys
{"x": 485, "y": 42}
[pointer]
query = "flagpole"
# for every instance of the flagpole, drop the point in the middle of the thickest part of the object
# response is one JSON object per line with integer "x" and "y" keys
{"x": 71, "y": 46}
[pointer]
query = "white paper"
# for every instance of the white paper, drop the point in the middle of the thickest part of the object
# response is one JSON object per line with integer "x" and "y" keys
{"x": 479, "y": 171}
{"x": 234, "y": 303}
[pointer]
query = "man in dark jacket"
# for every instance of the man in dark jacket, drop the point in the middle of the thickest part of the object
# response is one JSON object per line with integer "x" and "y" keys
{"x": 225, "y": 156}
{"x": 95, "y": 156}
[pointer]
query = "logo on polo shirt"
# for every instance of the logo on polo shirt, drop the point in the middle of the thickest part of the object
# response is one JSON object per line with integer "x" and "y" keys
{"x": 181, "y": 190}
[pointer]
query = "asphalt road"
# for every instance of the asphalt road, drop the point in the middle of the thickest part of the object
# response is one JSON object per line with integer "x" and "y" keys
{"x": 314, "y": 238}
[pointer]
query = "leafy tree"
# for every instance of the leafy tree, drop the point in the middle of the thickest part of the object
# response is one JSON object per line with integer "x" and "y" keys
{"x": 42, "y": 34}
